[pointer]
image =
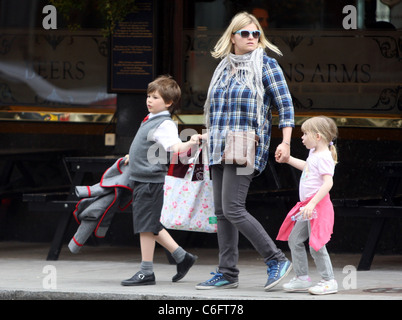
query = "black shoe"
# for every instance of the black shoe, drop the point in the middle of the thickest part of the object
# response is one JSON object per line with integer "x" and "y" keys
{"x": 184, "y": 266}
{"x": 139, "y": 279}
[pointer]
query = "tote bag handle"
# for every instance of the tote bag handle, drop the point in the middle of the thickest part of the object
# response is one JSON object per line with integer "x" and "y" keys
{"x": 190, "y": 171}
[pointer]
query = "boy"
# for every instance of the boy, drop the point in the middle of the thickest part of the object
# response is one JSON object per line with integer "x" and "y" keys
{"x": 148, "y": 159}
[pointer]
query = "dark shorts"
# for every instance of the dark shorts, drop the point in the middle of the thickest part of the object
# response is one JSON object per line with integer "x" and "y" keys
{"x": 147, "y": 206}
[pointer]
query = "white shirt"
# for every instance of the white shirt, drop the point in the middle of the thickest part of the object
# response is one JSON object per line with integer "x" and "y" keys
{"x": 317, "y": 165}
{"x": 167, "y": 134}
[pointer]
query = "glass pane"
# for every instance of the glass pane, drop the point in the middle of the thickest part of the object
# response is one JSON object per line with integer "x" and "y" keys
{"x": 329, "y": 69}
{"x": 51, "y": 69}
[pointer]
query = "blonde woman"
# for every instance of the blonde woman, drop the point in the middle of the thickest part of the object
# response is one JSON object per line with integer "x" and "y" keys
{"x": 245, "y": 86}
{"x": 315, "y": 208}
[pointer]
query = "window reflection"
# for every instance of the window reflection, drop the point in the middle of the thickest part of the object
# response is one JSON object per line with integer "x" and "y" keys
{"x": 52, "y": 69}
{"x": 328, "y": 69}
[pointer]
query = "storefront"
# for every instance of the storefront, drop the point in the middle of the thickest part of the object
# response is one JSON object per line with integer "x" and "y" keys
{"x": 339, "y": 58}
{"x": 62, "y": 87}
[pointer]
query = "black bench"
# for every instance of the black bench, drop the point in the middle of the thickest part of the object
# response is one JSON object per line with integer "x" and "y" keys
{"x": 78, "y": 169}
{"x": 18, "y": 170}
{"x": 381, "y": 209}
{"x": 275, "y": 180}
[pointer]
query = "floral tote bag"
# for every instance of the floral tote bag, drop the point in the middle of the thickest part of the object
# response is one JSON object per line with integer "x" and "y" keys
{"x": 188, "y": 204}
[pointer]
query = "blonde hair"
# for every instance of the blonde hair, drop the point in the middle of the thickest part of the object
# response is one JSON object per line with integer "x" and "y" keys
{"x": 327, "y": 128}
{"x": 224, "y": 45}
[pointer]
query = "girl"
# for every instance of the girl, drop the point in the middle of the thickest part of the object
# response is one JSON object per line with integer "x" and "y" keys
{"x": 315, "y": 184}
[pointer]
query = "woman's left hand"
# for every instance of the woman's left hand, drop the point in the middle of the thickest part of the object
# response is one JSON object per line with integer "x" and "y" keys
{"x": 282, "y": 153}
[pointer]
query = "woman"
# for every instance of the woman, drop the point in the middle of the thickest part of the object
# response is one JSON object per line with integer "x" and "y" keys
{"x": 244, "y": 87}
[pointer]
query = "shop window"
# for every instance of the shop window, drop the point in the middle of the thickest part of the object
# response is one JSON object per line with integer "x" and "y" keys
{"x": 329, "y": 69}
{"x": 49, "y": 74}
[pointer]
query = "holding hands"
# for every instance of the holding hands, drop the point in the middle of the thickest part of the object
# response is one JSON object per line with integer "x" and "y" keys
{"x": 282, "y": 153}
{"x": 179, "y": 147}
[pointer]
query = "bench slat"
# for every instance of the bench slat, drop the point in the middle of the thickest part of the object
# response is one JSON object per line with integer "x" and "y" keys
{"x": 45, "y": 197}
{"x": 370, "y": 211}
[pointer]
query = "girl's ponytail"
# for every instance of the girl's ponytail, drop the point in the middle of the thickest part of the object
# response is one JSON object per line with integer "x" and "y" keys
{"x": 334, "y": 153}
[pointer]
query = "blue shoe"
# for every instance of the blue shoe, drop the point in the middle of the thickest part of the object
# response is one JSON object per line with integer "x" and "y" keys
{"x": 217, "y": 282}
{"x": 277, "y": 270}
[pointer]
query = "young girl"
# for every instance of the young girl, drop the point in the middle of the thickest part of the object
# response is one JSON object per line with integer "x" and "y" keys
{"x": 315, "y": 205}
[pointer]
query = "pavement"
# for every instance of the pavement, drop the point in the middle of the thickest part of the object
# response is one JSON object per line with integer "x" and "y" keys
{"x": 95, "y": 273}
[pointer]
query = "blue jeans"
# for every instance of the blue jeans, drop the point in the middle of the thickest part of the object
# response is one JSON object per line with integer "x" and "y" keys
{"x": 230, "y": 192}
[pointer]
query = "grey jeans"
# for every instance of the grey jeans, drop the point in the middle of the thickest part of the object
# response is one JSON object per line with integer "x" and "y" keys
{"x": 230, "y": 192}
{"x": 299, "y": 234}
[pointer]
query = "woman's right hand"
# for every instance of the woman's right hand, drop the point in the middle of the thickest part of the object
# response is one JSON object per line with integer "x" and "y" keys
{"x": 204, "y": 136}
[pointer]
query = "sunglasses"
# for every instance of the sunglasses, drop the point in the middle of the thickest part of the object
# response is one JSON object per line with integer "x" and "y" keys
{"x": 245, "y": 33}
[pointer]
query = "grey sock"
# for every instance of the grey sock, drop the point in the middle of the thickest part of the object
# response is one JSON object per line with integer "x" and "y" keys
{"x": 147, "y": 267}
{"x": 179, "y": 254}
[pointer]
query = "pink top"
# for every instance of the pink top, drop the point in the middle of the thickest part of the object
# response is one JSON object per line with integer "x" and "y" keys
{"x": 317, "y": 165}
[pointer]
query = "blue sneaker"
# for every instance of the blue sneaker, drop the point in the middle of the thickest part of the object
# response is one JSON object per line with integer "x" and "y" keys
{"x": 277, "y": 270}
{"x": 216, "y": 282}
